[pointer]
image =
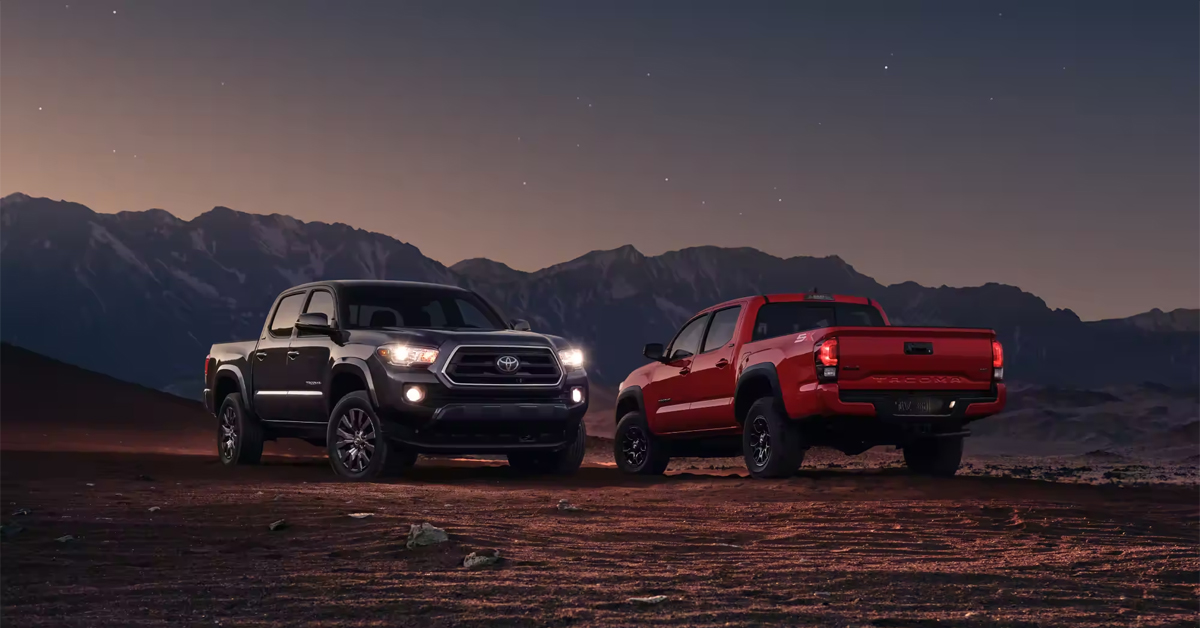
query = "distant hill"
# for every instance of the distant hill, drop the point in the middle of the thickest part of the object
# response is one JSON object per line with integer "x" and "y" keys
{"x": 142, "y": 295}
{"x": 49, "y": 405}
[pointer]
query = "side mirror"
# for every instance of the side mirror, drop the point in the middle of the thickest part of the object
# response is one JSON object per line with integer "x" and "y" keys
{"x": 520, "y": 324}
{"x": 316, "y": 322}
{"x": 654, "y": 351}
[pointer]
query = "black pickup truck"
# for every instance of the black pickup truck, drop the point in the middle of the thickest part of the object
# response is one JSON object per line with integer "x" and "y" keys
{"x": 381, "y": 371}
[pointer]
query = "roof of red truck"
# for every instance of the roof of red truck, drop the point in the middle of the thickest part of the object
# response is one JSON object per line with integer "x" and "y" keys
{"x": 799, "y": 296}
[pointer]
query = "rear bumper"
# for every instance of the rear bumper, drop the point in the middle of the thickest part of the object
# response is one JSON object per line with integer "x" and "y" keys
{"x": 967, "y": 405}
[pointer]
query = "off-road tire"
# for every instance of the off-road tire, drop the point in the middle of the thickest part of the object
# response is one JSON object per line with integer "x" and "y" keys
{"x": 358, "y": 448}
{"x": 562, "y": 462}
{"x": 772, "y": 444}
{"x": 239, "y": 435}
{"x": 934, "y": 456}
{"x": 637, "y": 450}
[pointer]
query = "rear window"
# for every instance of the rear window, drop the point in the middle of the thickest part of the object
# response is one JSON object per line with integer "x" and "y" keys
{"x": 781, "y": 319}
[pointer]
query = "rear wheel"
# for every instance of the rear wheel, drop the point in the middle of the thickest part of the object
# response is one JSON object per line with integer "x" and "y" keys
{"x": 636, "y": 450}
{"x": 239, "y": 435}
{"x": 934, "y": 456}
{"x": 562, "y": 462}
{"x": 772, "y": 444}
{"x": 357, "y": 447}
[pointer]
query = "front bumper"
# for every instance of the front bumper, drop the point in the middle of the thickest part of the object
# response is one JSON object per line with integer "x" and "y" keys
{"x": 479, "y": 420}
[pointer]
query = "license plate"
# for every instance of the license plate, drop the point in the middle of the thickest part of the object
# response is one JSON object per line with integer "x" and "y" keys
{"x": 919, "y": 406}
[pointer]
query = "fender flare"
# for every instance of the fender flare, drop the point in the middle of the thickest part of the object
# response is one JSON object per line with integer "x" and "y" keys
{"x": 629, "y": 392}
{"x": 360, "y": 366}
{"x": 763, "y": 370}
{"x": 241, "y": 382}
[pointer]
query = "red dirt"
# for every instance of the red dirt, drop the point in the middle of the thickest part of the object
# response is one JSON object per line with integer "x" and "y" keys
{"x": 829, "y": 548}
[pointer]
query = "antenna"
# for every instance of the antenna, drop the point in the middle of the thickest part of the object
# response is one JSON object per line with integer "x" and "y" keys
{"x": 815, "y": 291}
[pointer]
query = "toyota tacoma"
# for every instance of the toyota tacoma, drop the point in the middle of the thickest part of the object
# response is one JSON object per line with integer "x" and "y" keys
{"x": 768, "y": 377}
{"x": 379, "y": 372}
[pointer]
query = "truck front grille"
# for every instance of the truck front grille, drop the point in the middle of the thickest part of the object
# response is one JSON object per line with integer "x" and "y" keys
{"x": 480, "y": 366}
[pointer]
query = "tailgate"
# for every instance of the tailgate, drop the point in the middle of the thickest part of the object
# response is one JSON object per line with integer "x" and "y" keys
{"x": 914, "y": 358}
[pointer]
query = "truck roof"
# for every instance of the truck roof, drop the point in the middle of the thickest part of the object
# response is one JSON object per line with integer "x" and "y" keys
{"x": 349, "y": 283}
{"x": 796, "y": 296}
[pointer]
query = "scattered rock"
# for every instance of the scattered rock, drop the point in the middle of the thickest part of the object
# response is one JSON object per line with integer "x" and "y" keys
{"x": 481, "y": 559}
{"x": 361, "y": 515}
{"x": 278, "y": 525}
{"x": 66, "y": 538}
{"x": 88, "y": 484}
{"x": 727, "y": 545}
{"x": 154, "y": 509}
{"x": 654, "y": 599}
{"x": 425, "y": 534}
{"x": 11, "y": 529}
{"x": 566, "y": 505}
{"x": 20, "y": 511}
{"x": 823, "y": 594}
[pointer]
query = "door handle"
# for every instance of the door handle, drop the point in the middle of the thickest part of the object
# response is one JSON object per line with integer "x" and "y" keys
{"x": 292, "y": 354}
{"x": 261, "y": 355}
{"x": 722, "y": 363}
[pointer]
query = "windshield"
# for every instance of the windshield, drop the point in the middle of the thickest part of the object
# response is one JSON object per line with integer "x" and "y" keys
{"x": 381, "y": 307}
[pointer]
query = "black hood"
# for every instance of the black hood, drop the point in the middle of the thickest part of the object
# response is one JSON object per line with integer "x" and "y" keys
{"x": 443, "y": 338}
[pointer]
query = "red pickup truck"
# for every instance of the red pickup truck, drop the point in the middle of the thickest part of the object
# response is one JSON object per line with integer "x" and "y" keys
{"x": 770, "y": 376}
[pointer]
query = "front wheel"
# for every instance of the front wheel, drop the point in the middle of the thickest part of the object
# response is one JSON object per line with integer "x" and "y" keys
{"x": 562, "y": 462}
{"x": 636, "y": 450}
{"x": 356, "y": 443}
{"x": 772, "y": 444}
{"x": 934, "y": 456}
{"x": 239, "y": 435}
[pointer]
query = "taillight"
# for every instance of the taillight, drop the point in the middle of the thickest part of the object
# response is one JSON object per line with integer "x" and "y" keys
{"x": 997, "y": 361}
{"x": 826, "y": 354}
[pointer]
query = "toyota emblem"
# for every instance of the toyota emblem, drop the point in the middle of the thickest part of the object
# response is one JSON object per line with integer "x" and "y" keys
{"x": 507, "y": 364}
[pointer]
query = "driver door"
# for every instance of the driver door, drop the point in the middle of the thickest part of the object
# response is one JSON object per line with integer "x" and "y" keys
{"x": 667, "y": 393}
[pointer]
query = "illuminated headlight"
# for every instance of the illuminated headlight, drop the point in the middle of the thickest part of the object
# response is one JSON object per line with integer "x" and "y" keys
{"x": 404, "y": 355}
{"x": 571, "y": 358}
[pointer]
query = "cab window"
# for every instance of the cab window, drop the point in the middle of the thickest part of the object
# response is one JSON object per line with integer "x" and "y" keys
{"x": 687, "y": 342}
{"x": 286, "y": 315}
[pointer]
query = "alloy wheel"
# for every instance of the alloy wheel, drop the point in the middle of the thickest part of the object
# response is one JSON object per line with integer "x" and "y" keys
{"x": 634, "y": 445}
{"x": 229, "y": 434}
{"x": 356, "y": 440}
{"x": 760, "y": 441}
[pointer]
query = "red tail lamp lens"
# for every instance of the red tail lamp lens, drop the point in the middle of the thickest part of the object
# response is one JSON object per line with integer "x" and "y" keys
{"x": 828, "y": 352}
{"x": 997, "y": 354}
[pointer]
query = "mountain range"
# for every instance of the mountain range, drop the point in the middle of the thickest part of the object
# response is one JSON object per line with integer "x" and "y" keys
{"x": 142, "y": 295}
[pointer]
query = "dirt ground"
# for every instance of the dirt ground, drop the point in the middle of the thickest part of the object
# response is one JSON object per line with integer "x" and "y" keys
{"x": 831, "y": 547}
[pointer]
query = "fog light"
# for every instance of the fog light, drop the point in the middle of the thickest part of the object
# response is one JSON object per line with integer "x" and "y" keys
{"x": 951, "y": 405}
{"x": 414, "y": 394}
{"x": 576, "y": 395}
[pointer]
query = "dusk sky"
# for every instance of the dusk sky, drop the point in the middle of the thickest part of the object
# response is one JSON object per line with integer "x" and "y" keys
{"x": 1049, "y": 145}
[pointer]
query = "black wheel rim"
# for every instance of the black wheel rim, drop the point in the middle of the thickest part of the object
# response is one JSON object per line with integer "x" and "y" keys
{"x": 355, "y": 440}
{"x": 227, "y": 439}
{"x": 760, "y": 442}
{"x": 634, "y": 445}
